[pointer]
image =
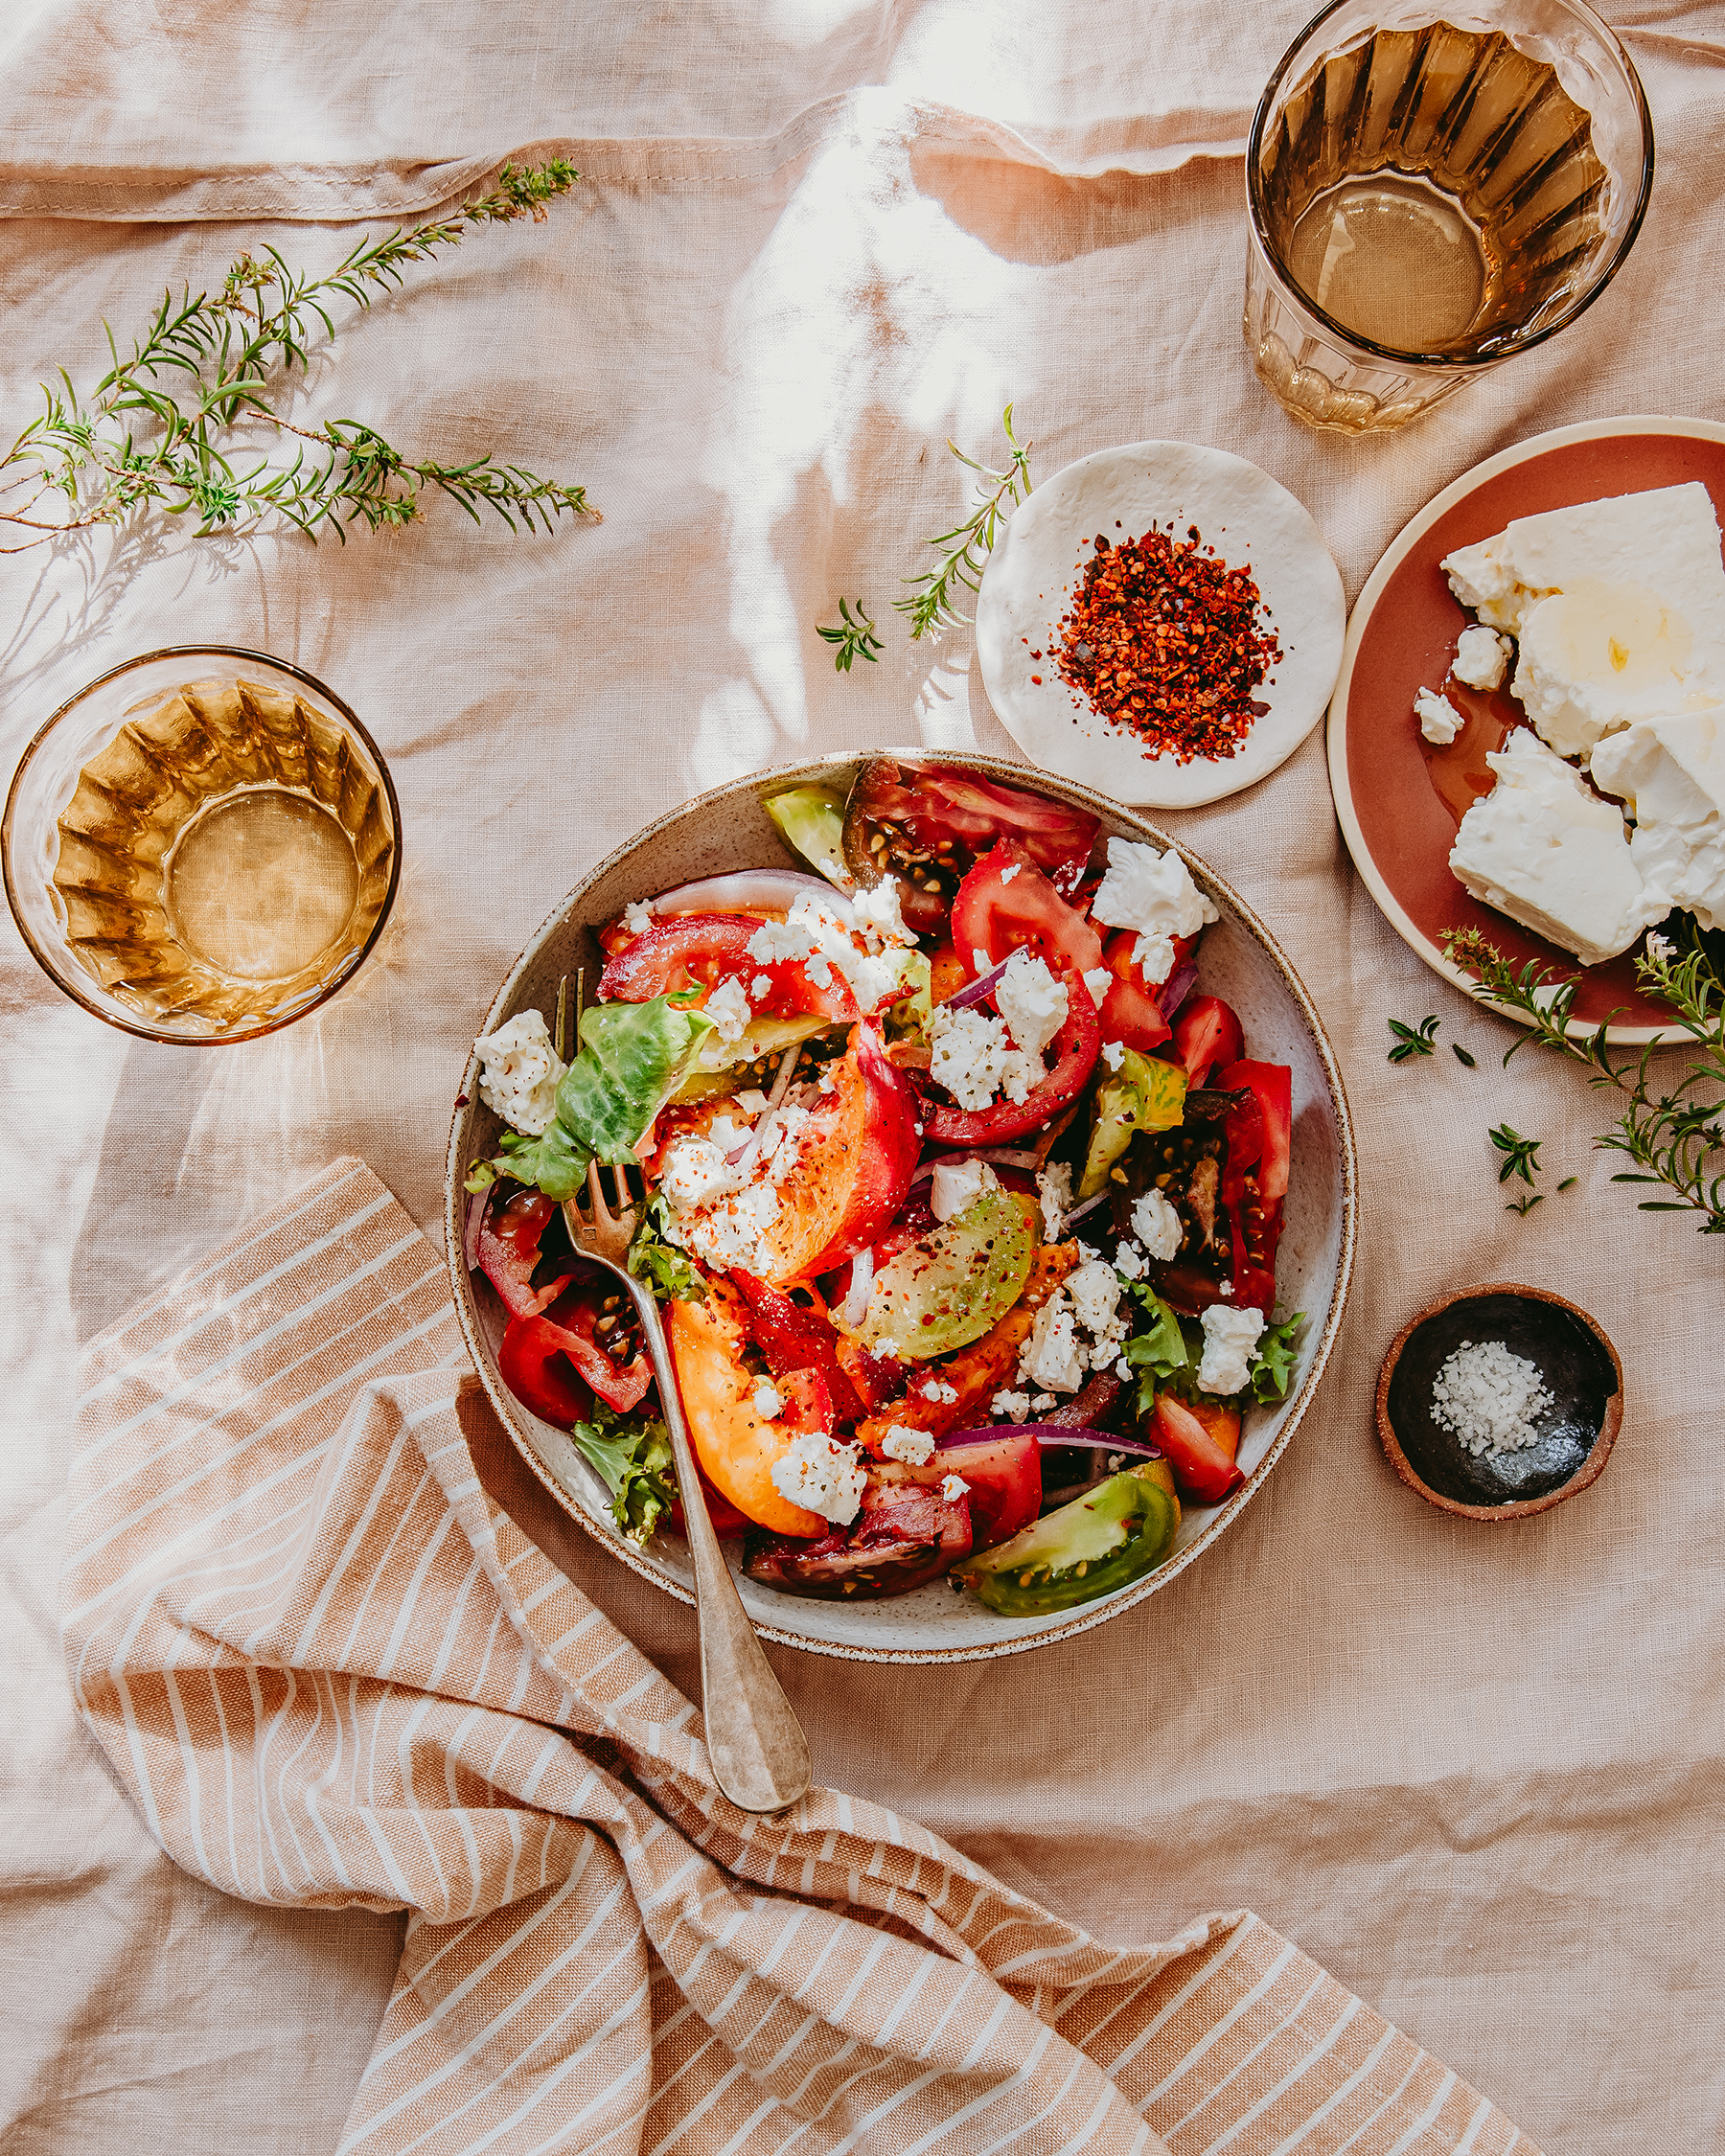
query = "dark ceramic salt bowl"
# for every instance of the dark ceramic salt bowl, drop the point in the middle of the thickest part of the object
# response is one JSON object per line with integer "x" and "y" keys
{"x": 1577, "y": 1365}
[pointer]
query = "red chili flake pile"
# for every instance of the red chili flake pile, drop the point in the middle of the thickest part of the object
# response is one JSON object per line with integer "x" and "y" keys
{"x": 1163, "y": 638}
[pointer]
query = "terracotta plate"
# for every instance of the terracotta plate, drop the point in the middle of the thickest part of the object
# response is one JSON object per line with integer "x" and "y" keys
{"x": 1399, "y": 799}
{"x": 728, "y": 829}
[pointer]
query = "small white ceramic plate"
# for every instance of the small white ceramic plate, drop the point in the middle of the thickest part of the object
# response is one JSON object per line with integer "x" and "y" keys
{"x": 730, "y": 829}
{"x": 1035, "y": 568}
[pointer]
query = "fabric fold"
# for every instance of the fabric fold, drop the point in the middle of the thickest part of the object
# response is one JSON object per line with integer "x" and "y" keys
{"x": 331, "y": 1671}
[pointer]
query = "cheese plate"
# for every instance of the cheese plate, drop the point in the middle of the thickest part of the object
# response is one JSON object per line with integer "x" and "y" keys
{"x": 1400, "y": 799}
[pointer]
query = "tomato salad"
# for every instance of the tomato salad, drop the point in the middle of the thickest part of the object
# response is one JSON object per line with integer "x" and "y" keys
{"x": 962, "y": 1198}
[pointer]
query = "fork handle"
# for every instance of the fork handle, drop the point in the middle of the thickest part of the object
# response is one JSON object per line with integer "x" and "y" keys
{"x": 759, "y": 1753}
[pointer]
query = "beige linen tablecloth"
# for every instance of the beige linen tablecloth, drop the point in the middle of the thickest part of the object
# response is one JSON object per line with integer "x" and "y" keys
{"x": 1472, "y": 1771}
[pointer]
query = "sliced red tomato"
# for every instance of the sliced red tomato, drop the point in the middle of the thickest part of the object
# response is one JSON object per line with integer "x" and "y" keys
{"x": 576, "y": 1317}
{"x": 535, "y": 1369}
{"x": 1203, "y": 1469}
{"x": 935, "y": 802}
{"x": 795, "y": 1338}
{"x": 1129, "y": 1011}
{"x": 1006, "y": 903}
{"x": 808, "y": 1402}
{"x": 1222, "y": 1423}
{"x": 509, "y": 1250}
{"x": 1076, "y": 1047}
{"x": 1205, "y": 1033}
{"x": 1005, "y": 1485}
{"x": 698, "y": 951}
{"x": 1257, "y": 1178}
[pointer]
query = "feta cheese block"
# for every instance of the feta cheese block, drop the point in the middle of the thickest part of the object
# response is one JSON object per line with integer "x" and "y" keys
{"x": 1619, "y": 607}
{"x": 1671, "y": 773}
{"x": 1551, "y": 855}
{"x": 1440, "y": 721}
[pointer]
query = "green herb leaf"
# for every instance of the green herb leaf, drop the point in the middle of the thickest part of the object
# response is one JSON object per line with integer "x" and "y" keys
{"x": 1525, "y": 1205}
{"x": 855, "y": 637}
{"x": 964, "y": 550}
{"x": 1569, "y": 1183}
{"x": 1159, "y": 1351}
{"x": 1462, "y": 1055}
{"x": 654, "y": 1258}
{"x": 631, "y": 1456}
{"x": 1521, "y": 1154}
{"x": 1413, "y": 1040}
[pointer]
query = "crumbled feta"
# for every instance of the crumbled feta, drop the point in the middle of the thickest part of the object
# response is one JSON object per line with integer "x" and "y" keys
{"x": 1008, "y": 874}
{"x": 1489, "y": 1397}
{"x": 1128, "y": 1260}
{"x": 952, "y": 1487}
{"x": 768, "y": 1400}
{"x": 1043, "y": 1402}
{"x": 1154, "y": 893}
{"x": 727, "y": 1006}
{"x": 956, "y": 1185}
{"x": 729, "y": 1229}
{"x": 752, "y": 1103}
{"x": 1014, "y": 1406}
{"x": 871, "y": 980}
{"x": 518, "y": 1071}
{"x": 761, "y": 986}
{"x": 637, "y": 918}
{"x": 937, "y": 1389}
{"x": 1440, "y": 721}
{"x": 981, "y": 962}
{"x": 1157, "y": 1226}
{"x": 1052, "y": 1358}
{"x": 1113, "y": 1054}
{"x": 1230, "y": 1337}
{"x": 824, "y": 1477}
{"x": 1096, "y": 980}
{"x": 970, "y": 1056}
{"x": 1095, "y": 1293}
{"x": 912, "y": 1446}
{"x": 727, "y": 1135}
{"x": 881, "y": 913}
{"x": 1544, "y": 850}
{"x": 1671, "y": 773}
{"x": 1054, "y": 1195}
{"x": 1480, "y": 656}
{"x": 693, "y": 1170}
{"x": 1032, "y": 1001}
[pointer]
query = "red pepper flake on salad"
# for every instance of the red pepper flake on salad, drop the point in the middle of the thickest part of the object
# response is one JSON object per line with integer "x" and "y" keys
{"x": 1163, "y": 638}
{"x": 967, "y": 1229}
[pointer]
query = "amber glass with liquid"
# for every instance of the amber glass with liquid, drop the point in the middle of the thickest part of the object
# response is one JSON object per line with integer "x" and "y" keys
{"x": 1433, "y": 190}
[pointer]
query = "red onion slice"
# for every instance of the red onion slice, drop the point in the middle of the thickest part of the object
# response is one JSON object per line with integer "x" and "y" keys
{"x": 744, "y": 891}
{"x": 1175, "y": 990}
{"x": 476, "y": 1221}
{"x": 1050, "y": 1437}
{"x": 976, "y": 990}
{"x": 996, "y": 1156}
{"x": 1088, "y": 1205}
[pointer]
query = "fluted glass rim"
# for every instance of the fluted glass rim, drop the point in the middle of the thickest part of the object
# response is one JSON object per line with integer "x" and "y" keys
{"x": 137, "y": 1027}
{"x": 1448, "y": 363}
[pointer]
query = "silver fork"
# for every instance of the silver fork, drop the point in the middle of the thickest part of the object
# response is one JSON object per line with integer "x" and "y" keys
{"x": 759, "y": 1753}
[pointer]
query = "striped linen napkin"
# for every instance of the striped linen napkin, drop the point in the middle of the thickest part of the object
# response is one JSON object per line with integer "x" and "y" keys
{"x": 333, "y": 1672}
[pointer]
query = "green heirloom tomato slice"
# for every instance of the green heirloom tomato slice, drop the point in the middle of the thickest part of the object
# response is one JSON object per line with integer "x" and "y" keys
{"x": 1104, "y": 1540}
{"x": 812, "y": 821}
{"x": 955, "y": 1284}
{"x": 1144, "y": 1094}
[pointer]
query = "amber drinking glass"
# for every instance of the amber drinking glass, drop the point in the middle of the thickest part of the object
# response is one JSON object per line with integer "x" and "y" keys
{"x": 202, "y": 845}
{"x": 1432, "y": 189}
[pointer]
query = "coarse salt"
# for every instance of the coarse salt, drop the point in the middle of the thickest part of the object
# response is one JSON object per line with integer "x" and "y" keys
{"x": 1490, "y": 1398}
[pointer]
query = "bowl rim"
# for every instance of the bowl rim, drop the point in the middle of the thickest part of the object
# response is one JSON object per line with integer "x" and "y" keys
{"x": 815, "y": 770}
{"x": 1521, "y": 1508}
{"x": 136, "y": 1027}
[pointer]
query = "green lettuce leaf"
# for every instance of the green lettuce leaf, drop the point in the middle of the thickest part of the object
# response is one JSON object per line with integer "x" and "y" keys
{"x": 1160, "y": 1353}
{"x": 555, "y": 1162}
{"x": 632, "y": 1458}
{"x": 633, "y": 1057}
{"x": 654, "y": 1258}
{"x": 1272, "y": 1365}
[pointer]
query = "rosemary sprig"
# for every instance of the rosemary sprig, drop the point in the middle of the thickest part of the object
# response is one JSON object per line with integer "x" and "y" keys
{"x": 149, "y": 433}
{"x": 1413, "y": 1041}
{"x": 855, "y": 637}
{"x": 1521, "y": 1154}
{"x": 965, "y": 549}
{"x": 1673, "y": 1138}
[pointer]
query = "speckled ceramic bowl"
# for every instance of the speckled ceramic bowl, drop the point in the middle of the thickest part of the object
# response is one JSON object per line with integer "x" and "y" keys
{"x": 728, "y": 829}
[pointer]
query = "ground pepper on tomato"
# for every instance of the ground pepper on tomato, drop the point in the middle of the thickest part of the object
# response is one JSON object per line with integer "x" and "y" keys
{"x": 1163, "y": 638}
